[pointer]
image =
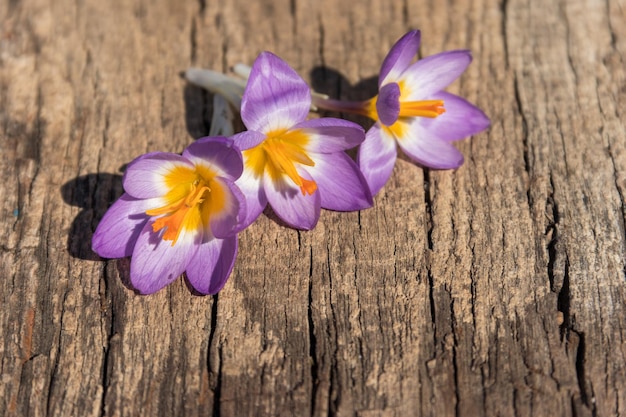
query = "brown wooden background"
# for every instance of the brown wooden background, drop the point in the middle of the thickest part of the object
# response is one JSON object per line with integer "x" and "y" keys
{"x": 497, "y": 289}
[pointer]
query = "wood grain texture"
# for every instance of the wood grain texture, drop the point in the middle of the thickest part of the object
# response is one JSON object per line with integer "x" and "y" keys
{"x": 495, "y": 289}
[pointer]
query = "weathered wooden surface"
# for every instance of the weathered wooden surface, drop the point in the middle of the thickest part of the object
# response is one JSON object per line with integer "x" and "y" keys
{"x": 497, "y": 289}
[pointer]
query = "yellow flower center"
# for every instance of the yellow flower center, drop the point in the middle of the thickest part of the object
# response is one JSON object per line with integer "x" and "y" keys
{"x": 277, "y": 156}
{"x": 420, "y": 108}
{"x": 192, "y": 197}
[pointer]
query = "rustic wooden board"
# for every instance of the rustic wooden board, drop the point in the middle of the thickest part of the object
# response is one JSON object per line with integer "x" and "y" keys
{"x": 496, "y": 289}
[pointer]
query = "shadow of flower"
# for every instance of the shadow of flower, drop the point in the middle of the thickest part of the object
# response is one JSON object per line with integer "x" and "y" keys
{"x": 93, "y": 193}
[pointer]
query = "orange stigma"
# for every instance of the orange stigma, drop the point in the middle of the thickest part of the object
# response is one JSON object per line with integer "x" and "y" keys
{"x": 424, "y": 108}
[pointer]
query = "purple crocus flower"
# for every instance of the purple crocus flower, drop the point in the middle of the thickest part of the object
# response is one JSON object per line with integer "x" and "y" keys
{"x": 295, "y": 165}
{"x": 412, "y": 110}
{"x": 178, "y": 213}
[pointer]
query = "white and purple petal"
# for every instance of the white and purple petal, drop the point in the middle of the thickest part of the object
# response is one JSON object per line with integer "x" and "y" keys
{"x": 434, "y": 73}
{"x": 429, "y": 151}
{"x": 399, "y": 57}
{"x": 377, "y": 157}
{"x": 146, "y": 177}
{"x": 119, "y": 229}
{"x": 328, "y": 135}
{"x": 210, "y": 267}
{"x": 461, "y": 119}
{"x": 225, "y": 222}
{"x": 341, "y": 184}
{"x": 155, "y": 262}
{"x": 255, "y": 200}
{"x": 276, "y": 97}
{"x": 297, "y": 210}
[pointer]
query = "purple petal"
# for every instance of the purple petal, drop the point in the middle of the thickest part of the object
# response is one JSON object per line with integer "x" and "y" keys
{"x": 434, "y": 73}
{"x": 252, "y": 189}
{"x": 429, "y": 151}
{"x": 225, "y": 222}
{"x": 218, "y": 154}
{"x": 328, "y": 135}
{"x": 388, "y": 104}
{"x": 145, "y": 176}
{"x": 248, "y": 139}
{"x": 156, "y": 263}
{"x": 341, "y": 184}
{"x": 212, "y": 264}
{"x": 461, "y": 119}
{"x": 377, "y": 157}
{"x": 276, "y": 97}
{"x": 399, "y": 57}
{"x": 297, "y": 210}
{"x": 118, "y": 230}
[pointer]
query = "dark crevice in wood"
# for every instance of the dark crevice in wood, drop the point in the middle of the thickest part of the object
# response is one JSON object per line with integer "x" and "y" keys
{"x": 473, "y": 279}
{"x": 33, "y": 147}
{"x": 563, "y": 303}
{"x": 429, "y": 209}
{"x": 551, "y": 232}
{"x": 505, "y": 44}
{"x": 567, "y": 329}
{"x": 202, "y": 8}
{"x": 611, "y": 29}
{"x": 212, "y": 344}
{"x": 294, "y": 20}
{"x": 110, "y": 326}
{"x": 312, "y": 338}
{"x": 105, "y": 132}
{"x": 580, "y": 369}
{"x": 405, "y": 13}
{"x": 192, "y": 39}
{"x": 525, "y": 138}
{"x": 455, "y": 365}
{"x": 334, "y": 394}
{"x": 429, "y": 236}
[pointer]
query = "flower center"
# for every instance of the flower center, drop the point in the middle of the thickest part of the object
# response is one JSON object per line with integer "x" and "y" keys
{"x": 182, "y": 212}
{"x": 278, "y": 154}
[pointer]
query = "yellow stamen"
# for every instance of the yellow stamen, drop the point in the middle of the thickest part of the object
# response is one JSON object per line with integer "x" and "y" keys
{"x": 178, "y": 214}
{"x": 278, "y": 155}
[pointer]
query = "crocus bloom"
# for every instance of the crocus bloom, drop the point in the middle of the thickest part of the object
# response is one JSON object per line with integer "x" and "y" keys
{"x": 178, "y": 213}
{"x": 295, "y": 165}
{"x": 412, "y": 110}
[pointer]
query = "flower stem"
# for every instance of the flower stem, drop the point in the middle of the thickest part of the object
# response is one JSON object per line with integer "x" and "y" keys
{"x": 363, "y": 108}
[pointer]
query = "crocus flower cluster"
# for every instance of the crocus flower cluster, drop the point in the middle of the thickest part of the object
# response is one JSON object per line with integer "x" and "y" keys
{"x": 182, "y": 213}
